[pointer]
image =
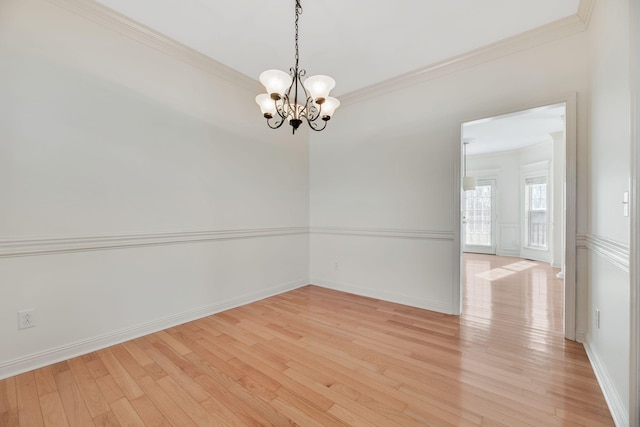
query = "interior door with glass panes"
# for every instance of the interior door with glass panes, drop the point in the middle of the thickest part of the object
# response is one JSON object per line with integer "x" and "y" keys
{"x": 479, "y": 219}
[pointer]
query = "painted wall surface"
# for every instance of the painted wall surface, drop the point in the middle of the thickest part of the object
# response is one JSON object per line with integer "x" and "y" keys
{"x": 104, "y": 138}
{"x": 390, "y": 163}
{"x": 609, "y": 166}
{"x": 506, "y": 169}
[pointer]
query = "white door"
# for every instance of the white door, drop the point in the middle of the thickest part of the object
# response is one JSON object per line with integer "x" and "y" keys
{"x": 479, "y": 219}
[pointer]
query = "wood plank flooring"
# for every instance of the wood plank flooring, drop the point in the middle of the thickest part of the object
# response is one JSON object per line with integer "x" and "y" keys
{"x": 317, "y": 357}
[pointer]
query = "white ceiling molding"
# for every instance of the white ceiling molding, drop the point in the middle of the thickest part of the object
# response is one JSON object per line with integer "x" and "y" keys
{"x": 113, "y": 20}
{"x": 585, "y": 10}
{"x": 529, "y": 39}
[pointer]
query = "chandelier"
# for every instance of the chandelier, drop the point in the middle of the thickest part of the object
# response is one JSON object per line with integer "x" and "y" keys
{"x": 291, "y": 99}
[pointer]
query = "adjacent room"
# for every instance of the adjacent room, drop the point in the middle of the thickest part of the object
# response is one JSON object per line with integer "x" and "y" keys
{"x": 178, "y": 247}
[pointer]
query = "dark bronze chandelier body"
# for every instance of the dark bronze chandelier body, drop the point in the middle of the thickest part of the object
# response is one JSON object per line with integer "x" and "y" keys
{"x": 290, "y": 97}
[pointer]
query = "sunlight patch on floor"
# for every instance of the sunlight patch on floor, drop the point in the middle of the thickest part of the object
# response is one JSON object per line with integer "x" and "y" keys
{"x": 521, "y": 265}
{"x": 495, "y": 274}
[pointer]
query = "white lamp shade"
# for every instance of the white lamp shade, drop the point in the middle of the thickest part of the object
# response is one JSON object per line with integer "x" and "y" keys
{"x": 319, "y": 86}
{"x": 329, "y": 106}
{"x": 469, "y": 183}
{"x": 267, "y": 105}
{"x": 275, "y": 81}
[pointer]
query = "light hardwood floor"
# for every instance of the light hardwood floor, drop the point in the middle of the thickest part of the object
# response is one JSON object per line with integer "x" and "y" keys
{"x": 317, "y": 357}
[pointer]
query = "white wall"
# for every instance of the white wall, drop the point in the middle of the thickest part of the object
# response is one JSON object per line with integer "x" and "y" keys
{"x": 390, "y": 163}
{"x": 506, "y": 168}
{"x": 609, "y": 166}
{"x": 138, "y": 191}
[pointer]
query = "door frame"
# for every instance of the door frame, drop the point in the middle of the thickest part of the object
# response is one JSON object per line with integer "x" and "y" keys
{"x": 634, "y": 202}
{"x": 570, "y": 179}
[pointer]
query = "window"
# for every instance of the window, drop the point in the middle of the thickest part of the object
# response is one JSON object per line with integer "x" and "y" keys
{"x": 536, "y": 212}
{"x": 478, "y": 215}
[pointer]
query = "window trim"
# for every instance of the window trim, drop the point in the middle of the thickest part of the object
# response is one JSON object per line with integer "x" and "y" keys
{"x": 528, "y": 182}
{"x": 528, "y": 171}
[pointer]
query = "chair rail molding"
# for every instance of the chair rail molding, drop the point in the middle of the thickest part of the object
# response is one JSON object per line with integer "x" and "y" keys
{"x": 617, "y": 253}
{"x": 385, "y": 232}
{"x": 28, "y": 246}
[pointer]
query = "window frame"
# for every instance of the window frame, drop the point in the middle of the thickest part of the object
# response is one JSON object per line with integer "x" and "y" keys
{"x": 529, "y": 183}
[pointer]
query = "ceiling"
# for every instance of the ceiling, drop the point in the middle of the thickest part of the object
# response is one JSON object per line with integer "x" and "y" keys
{"x": 357, "y": 42}
{"x": 513, "y": 131}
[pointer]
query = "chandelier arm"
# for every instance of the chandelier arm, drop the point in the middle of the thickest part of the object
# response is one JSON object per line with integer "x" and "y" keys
{"x": 287, "y": 106}
{"x": 314, "y": 110}
{"x": 305, "y": 110}
{"x": 288, "y": 110}
{"x": 314, "y": 125}
{"x": 280, "y": 110}
{"x": 275, "y": 124}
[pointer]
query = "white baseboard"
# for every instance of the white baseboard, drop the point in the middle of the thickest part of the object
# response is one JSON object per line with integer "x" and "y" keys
{"x": 611, "y": 396}
{"x": 68, "y": 351}
{"x": 423, "y": 303}
{"x": 581, "y": 336}
{"x": 508, "y": 252}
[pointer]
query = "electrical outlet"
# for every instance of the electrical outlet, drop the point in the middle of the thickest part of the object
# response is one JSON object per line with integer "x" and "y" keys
{"x": 27, "y": 318}
{"x": 597, "y": 318}
{"x": 336, "y": 266}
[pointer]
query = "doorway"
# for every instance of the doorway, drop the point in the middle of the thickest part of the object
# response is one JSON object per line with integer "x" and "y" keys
{"x": 531, "y": 194}
{"x": 479, "y": 218}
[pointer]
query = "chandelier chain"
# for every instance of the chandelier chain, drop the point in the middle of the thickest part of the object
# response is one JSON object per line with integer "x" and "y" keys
{"x": 298, "y": 12}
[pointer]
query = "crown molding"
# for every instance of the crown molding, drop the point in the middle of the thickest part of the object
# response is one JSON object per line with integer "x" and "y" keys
{"x": 113, "y": 20}
{"x": 585, "y": 10}
{"x": 54, "y": 245}
{"x": 538, "y": 36}
{"x": 102, "y": 15}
